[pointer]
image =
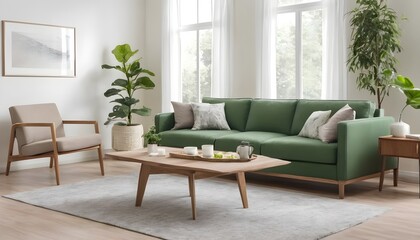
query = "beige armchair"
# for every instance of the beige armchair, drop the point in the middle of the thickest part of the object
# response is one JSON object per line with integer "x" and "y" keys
{"x": 39, "y": 131}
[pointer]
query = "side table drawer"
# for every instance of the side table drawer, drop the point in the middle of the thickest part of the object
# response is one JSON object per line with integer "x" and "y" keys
{"x": 408, "y": 149}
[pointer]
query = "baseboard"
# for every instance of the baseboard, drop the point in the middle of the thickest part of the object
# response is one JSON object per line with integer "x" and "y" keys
{"x": 406, "y": 176}
{"x": 45, "y": 162}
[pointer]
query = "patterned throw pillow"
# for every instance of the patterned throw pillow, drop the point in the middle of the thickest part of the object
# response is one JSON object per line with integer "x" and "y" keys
{"x": 209, "y": 116}
{"x": 183, "y": 115}
{"x": 317, "y": 119}
{"x": 328, "y": 131}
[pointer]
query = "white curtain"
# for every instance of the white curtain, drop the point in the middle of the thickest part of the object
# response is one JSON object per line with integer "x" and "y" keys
{"x": 221, "y": 54}
{"x": 170, "y": 55}
{"x": 265, "y": 48}
{"x": 334, "y": 59}
{"x": 222, "y": 48}
{"x": 334, "y": 79}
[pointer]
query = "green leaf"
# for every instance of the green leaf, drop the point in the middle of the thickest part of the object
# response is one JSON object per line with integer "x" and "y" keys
{"x": 106, "y": 66}
{"x": 144, "y": 82}
{"x": 403, "y": 82}
{"x": 147, "y": 72}
{"x": 127, "y": 101}
{"x": 111, "y": 92}
{"x": 142, "y": 111}
{"x": 120, "y": 82}
{"x": 123, "y": 53}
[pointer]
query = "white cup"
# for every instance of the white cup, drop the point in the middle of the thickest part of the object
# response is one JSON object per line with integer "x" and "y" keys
{"x": 161, "y": 151}
{"x": 191, "y": 150}
{"x": 207, "y": 150}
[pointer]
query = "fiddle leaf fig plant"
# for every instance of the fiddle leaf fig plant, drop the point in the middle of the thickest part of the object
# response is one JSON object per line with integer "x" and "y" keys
{"x": 135, "y": 78}
{"x": 374, "y": 40}
{"x": 405, "y": 85}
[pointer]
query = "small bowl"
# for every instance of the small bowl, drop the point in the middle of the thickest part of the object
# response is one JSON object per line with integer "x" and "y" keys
{"x": 191, "y": 150}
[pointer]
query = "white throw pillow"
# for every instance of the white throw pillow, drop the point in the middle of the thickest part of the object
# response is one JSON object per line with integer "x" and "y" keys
{"x": 328, "y": 132}
{"x": 209, "y": 116}
{"x": 314, "y": 121}
{"x": 183, "y": 114}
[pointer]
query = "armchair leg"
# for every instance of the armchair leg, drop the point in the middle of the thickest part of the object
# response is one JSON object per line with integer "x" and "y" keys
{"x": 101, "y": 160}
{"x": 9, "y": 161}
{"x": 57, "y": 170}
{"x": 51, "y": 162}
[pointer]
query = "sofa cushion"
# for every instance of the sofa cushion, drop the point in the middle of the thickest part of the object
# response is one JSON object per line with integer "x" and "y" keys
{"x": 187, "y": 137}
{"x": 183, "y": 115}
{"x": 271, "y": 115}
{"x": 209, "y": 116}
{"x": 231, "y": 141}
{"x": 302, "y": 149}
{"x": 236, "y": 110}
{"x": 328, "y": 132}
{"x": 304, "y": 108}
{"x": 314, "y": 121}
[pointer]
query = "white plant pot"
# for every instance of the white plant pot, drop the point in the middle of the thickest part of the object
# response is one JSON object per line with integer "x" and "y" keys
{"x": 127, "y": 138}
{"x": 152, "y": 148}
{"x": 400, "y": 129}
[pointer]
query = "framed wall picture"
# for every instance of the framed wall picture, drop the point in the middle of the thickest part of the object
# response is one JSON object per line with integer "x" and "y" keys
{"x": 38, "y": 50}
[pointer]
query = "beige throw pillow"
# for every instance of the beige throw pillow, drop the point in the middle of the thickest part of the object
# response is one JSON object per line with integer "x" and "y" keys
{"x": 314, "y": 121}
{"x": 328, "y": 131}
{"x": 183, "y": 115}
{"x": 209, "y": 116}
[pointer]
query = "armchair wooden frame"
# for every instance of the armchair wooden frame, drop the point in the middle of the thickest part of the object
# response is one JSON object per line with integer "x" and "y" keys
{"x": 53, "y": 155}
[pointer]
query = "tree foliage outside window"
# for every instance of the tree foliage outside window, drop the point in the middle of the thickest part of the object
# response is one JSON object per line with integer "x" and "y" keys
{"x": 299, "y": 49}
{"x": 196, "y": 49}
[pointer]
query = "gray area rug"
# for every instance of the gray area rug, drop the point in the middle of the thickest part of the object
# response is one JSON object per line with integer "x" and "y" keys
{"x": 273, "y": 213}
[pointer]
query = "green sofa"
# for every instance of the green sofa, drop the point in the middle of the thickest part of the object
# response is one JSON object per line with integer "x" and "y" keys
{"x": 272, "y": 126}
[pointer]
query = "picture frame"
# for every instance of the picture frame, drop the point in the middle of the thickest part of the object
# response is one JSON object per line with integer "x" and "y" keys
{"x": 38, "y": 50}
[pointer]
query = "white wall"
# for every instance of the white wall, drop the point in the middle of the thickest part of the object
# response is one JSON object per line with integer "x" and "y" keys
{"x": 100, "y": 25}
{"x": 244, "y": 56}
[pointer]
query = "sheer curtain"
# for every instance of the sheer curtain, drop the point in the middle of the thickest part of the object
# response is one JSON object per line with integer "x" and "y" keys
{"x": 170, "y": 54}
{"x": 222, "y": 48}
{"x": 334, "y": 60}
{"x": 221, "y": 52}
{"x": 334, "y": 79}
{"x": 266, "y": 48}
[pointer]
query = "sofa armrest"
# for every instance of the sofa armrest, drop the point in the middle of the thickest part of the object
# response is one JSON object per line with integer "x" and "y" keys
{"x": 358, "y": 154}
{"x": 164, "y": 121}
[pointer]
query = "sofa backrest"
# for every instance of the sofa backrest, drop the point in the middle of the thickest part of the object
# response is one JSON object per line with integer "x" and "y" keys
{"x": 304, "y": 108}
{"x": 236, "y": 110}
{"x": 271, "y": 115}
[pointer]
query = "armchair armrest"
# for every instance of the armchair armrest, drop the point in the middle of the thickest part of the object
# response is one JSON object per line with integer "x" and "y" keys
{"x": 26, "y": 124}
{"x": 83, "y": 122}
{"x": 358, "y": 146}
{"x": 164, "y": 121}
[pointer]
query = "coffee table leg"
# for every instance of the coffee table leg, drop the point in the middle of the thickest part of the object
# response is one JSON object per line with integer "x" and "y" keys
{"x": 191, "y": 184}
{"x": 240, "y": 178}
{"x": 381, "y": 179}
{"x": 141, "y": 187}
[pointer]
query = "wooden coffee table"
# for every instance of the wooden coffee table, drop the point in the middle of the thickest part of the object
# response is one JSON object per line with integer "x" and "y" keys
{"x": 193, "y": 169}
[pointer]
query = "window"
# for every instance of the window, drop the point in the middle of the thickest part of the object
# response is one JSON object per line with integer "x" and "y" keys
{"x": 195, "y": 33}
{"x": 299, "y": 49}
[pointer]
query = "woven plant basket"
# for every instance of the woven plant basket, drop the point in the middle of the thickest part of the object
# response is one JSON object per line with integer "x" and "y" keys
{"x": 127, "y": 138}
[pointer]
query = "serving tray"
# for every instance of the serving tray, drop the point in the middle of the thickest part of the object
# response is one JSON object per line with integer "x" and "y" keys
{"x": 199, "y": 157}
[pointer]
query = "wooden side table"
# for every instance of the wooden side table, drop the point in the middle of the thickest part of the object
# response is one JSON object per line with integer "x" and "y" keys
{"x": 397, "y": 147}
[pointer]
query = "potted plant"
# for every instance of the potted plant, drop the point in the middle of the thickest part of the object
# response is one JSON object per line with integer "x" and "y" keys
{"x": 374, "y": 40}
{"x": 126, "y": 135}
{"x": 152, "y": 139}
{"x": 404, "y": 84}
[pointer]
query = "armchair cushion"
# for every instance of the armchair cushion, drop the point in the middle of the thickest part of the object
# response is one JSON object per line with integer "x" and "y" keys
{"x": 64, "y": 144}
{"x": 36, "y": 113}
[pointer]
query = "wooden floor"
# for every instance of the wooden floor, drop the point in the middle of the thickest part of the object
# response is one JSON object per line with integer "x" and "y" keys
{"x": 22, "y": 221}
